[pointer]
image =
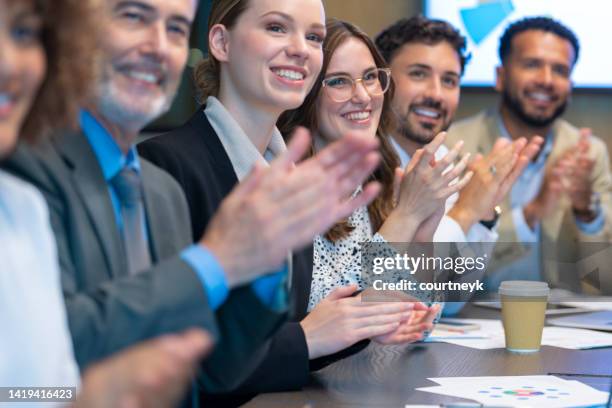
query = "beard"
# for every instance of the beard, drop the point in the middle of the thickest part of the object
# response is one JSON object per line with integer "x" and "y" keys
{"x": 119, "y": 107}
{"x": 422, "y": 133}
{"x": 517, "y": 107}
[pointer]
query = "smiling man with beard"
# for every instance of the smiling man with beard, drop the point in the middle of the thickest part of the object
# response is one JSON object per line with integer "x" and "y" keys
{"x": 427, "y": 58}
{"x": 563, "y": 197}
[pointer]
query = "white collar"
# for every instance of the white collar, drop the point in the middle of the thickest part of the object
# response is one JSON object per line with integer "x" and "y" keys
{"x": 405, "y": 157}
{"x": 241, "y": 151}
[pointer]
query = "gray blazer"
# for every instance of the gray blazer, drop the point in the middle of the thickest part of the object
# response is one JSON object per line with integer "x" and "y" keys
{"x": 109, "y": 310}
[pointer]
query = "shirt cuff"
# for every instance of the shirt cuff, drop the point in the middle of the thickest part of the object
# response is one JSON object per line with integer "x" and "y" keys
{"x": 523, "y": 232}
{"x": 449, "y": 231}
{"x": 270, "y": 288}
{"x": 209, "y": 272}
{"x": 452, "y": 308}
{"x": 595, "y": 226}
{"x": 480, "y": 233}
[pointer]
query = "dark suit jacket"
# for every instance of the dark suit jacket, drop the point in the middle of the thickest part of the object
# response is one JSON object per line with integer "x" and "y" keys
{"x": 108, "y": 309}
{"x": 195, "y": 157}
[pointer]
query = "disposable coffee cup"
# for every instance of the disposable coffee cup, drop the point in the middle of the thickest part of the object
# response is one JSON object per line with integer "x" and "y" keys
{"x": 523, "y": 313}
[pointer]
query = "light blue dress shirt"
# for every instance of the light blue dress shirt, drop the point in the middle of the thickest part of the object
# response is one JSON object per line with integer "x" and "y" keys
{"x": 206, "y": 266}
{"x": 527, "y": 187}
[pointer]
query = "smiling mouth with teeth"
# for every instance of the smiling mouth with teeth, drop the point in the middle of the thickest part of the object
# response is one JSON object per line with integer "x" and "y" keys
{"x": 143, "y": 76}
{"x": 428, "y": 113}
{"x": 540, "y": 97}
{"x": 289, "y": 74}
{"x": 358, "y": 116}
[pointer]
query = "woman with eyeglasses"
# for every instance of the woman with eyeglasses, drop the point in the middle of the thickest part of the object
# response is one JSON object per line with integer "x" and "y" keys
{"x": 352, "y": 95}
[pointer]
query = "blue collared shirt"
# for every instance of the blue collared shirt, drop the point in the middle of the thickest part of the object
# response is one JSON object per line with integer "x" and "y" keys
{"x": 527, "y": 187}
{"x": 112, "y": 160}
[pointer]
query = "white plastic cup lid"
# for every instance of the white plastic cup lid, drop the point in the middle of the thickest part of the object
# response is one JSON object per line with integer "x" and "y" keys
{"x": 524, "y": 288}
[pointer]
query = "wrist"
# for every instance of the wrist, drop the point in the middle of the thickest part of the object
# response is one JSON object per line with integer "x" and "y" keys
{"x": 224, "y": 261}
{"x": 491, "y": 221}
{"x": 311, "y": 344}
{"x": 463, "y": 217}
{"x": 399, "y": 228}
{"x": 584, "y": 215}
{"x": 587, "y": 211}
{"x": 532, "y": 215}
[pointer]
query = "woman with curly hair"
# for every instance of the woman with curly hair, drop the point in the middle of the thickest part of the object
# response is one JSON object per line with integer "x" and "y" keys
{"x": 39, "y": 90}
{"x": 41, "y": 87}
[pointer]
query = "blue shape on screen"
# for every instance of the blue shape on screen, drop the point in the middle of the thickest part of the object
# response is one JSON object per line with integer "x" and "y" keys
{"x": 481, "y": 20}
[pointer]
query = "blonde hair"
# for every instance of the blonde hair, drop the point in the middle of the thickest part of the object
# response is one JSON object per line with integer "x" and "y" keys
{"x": 207, "y": 72}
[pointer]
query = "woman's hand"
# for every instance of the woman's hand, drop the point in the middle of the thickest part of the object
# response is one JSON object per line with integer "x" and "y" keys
{"x": 412, "y": 329}
{"x": 341, "y": 320}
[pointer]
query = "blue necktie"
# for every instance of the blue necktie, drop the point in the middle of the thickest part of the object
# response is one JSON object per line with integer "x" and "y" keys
{"x": 127, "y": 185}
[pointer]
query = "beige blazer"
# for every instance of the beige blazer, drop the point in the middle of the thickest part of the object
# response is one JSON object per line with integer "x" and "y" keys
{"x": 560, "y": 239}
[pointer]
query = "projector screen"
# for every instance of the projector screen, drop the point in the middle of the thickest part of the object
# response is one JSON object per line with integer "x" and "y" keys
{"x": 484, "y": 21}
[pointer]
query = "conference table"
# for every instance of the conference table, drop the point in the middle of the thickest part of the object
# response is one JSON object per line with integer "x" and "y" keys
{"x": 387, "y": 376}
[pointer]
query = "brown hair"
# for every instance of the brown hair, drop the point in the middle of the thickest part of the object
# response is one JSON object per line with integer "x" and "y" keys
{"x": 419, "y": 29}
{"x": 207, "y": 72}
{"x": 69, "y": 41}
{"x": 306, "y": 115}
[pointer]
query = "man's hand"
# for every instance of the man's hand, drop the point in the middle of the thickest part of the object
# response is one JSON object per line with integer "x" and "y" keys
{"x": 281, "y": 208}
{"x": 422, "y": 189}
{"x": 547, "y": 199}
{"x": 527, "y": 152}
{"x": 570, "y": 174}
{"x": 577, "y": 167}
{"x": 494, "y": 176}
{"x": 151, "y": 374}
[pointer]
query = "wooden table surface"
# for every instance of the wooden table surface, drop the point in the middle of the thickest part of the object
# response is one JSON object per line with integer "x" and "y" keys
{"x": 386, "y": 376}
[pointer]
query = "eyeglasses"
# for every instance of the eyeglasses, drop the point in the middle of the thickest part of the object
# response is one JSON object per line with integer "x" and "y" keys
{"x": 341, "y": 88}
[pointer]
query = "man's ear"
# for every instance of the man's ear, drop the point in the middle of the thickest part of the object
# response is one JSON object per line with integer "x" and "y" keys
{"x": 218, "y": 40}
{"x": 500, "y": 78}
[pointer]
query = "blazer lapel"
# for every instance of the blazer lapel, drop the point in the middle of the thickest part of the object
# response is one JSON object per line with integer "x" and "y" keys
{"x": 222, "y": 164}
{"x": 506, "y": 228}
{"x": 561, "y": 223}
{"x": 300, "y": 262}
{"x": 485, "y": 144}
{"x": 92, "y": 189}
